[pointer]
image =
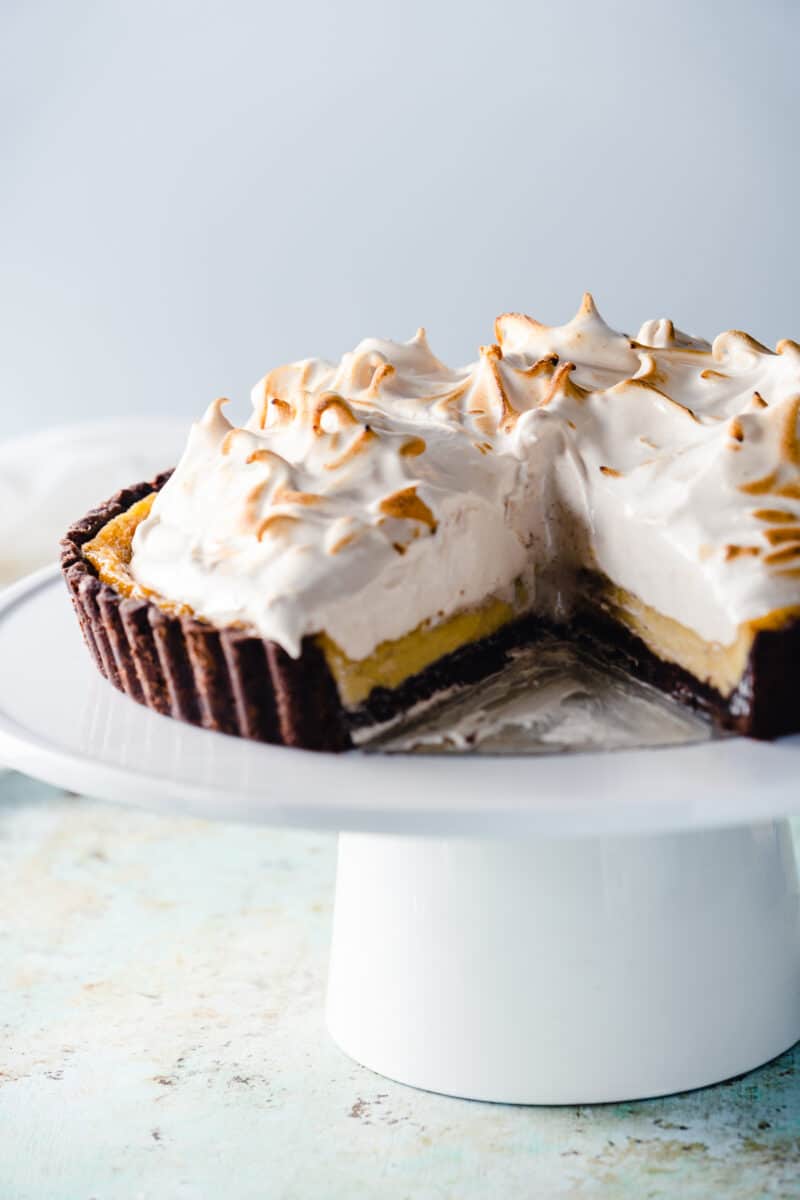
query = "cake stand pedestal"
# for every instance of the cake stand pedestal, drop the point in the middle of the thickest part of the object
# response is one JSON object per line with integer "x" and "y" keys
{"x": 565, "y": 929}
{"x": 569, "y": 970}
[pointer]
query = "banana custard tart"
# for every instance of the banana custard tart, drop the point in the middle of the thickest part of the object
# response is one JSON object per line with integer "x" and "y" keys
{"x": 388, "y": 528}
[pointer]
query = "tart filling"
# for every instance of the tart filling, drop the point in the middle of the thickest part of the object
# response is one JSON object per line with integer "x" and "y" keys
{"x": 392, "y": 664}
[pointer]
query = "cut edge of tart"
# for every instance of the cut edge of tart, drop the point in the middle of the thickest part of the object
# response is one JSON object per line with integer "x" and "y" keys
{"x": 232, "y": 680}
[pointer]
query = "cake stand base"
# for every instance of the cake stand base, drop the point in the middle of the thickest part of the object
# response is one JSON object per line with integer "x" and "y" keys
{"x": 566, "y": 970}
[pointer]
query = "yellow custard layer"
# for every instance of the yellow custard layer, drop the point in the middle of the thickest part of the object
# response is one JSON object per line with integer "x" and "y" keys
{"x": 721, "y": 666}
{"x": 391, "y": 663}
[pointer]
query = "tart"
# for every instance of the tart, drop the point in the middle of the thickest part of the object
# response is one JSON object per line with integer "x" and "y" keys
{"x": 386, "y": 528}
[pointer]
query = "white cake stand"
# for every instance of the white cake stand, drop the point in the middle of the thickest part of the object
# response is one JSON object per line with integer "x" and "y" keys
{"x": 567, "y": 929}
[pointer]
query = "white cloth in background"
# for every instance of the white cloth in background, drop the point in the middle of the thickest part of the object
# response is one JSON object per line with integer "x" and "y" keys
{"x": 50, "y": 479}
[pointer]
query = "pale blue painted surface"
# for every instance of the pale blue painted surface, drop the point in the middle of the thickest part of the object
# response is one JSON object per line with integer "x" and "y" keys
{"x": 161, "y": 1038}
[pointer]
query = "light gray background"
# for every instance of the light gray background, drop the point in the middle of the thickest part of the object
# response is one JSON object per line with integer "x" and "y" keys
{"x": 195, "y": 192}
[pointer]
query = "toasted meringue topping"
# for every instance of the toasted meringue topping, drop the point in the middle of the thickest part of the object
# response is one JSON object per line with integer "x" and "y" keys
{"x": 365, "y": 497}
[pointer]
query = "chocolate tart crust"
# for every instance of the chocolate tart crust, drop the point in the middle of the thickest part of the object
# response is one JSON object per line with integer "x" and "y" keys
{"x": 234, "y": 682}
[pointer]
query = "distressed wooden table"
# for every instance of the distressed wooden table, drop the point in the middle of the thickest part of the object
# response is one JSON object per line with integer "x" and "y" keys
{"x": 161, "y": 1037}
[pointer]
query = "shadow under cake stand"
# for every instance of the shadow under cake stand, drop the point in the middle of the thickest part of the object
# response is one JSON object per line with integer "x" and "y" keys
{"x": 539, "y": 930}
